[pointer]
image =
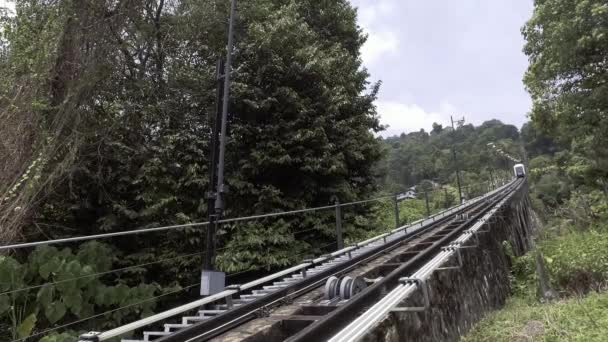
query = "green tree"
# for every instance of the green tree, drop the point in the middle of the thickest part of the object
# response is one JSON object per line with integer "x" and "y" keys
{"x": 567, "y": 45}
{"x": 126, "y": 126}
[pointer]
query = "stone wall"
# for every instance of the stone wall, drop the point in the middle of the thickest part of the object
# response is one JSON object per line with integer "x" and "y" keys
{"x": 460, "y": 298}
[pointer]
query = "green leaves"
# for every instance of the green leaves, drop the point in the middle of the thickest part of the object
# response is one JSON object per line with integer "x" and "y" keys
{"x": 55, "y": 311}
{"x": 11, "y": 274}
{"x": 27, "y": 325}
{"x": 49, "y": 268}
{"x": 577, "y": 261}
{"x": 73, "y": 294}
{"x": 73, "y": 301}
{"x": 567, "y": 42}
{"x": 45, "y": 295}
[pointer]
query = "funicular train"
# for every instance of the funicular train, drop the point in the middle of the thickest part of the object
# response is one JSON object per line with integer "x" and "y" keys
{"x": 519, "y": 170}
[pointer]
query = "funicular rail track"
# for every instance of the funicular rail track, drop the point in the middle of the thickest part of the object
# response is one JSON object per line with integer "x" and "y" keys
{"x": 411, "y": 247}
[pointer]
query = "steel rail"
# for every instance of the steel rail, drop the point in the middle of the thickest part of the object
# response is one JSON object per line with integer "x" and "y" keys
{"x": 235, "y": 317}
{"x": 424, "y": 223}
{"x": 365, "y": 322}
{"x": 226, "y": 321}
{"x": 336, "y": 320}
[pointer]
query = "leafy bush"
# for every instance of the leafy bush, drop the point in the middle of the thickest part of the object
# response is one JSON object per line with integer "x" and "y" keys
{"x": 69, "y": 291}
{"x": 585, "y": 208}
{"x": 578, "y": 261}
{"x": 524, "y": 276}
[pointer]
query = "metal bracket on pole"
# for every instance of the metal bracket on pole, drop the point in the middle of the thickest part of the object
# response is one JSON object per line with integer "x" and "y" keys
{"x": 234, "y": 287}
{"x": 474, "y": 234}
{"x": 309, "y": 261}
{"x": 229, "y": 302}
{"x": 458, "y": 255}
{"x": 485, "y": 224}
{"x": 421, "y": 284}
{"x": 90, "y": 336}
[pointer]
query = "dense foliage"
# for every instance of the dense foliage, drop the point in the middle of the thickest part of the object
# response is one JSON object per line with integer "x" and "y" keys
{"x": 566, "y": 141}
{"x": 135, "y": 124}
{"x": 418, "y": 156}
{"x": 106, "y": 109}
{"x": 567, "y": 45}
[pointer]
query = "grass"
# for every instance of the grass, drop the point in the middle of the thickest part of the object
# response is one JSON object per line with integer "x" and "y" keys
{"x": 577, "y": 263}
{"x": 574, "y": 319}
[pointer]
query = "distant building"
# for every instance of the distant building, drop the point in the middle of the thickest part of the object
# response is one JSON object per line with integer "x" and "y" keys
{"x": 409, "y": 194}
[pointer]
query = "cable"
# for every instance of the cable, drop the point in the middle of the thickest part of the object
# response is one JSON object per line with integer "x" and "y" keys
{"x": 100, "y": 236}
{"x": 100, "y": 273}
{"x": 199, "y": 224}
{"x": 148, "y": 230}
{"x": 106, "y": 312}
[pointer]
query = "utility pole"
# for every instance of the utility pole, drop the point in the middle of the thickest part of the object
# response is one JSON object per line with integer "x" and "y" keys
{"x": 213, "y": 282}
{"x": 211, "y": 195}
{"x": 454, "y": 154}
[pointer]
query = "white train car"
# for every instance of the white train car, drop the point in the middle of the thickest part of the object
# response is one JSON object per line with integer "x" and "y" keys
{"x": 519, "y": 170}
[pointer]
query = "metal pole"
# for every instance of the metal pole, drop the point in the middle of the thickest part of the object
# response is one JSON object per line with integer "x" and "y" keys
{"x": 219, "y": 200}
{"x": 445, "y": 191}
{"x": 214, "y": 282}
{"x": 211, "y": 195}
{"x": 339, "y": 238}
{"x": 397, "y": 223}
{"x": 455, "y": 160}
{"x": 428, "y": 208}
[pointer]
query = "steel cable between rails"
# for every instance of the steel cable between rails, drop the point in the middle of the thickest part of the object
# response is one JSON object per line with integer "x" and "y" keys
{"x": 122, "y": 269}
{"x": 106, "y": 312}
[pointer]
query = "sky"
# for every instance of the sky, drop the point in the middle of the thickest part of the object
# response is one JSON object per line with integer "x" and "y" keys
{"x": 5, "y": 3}
{"x": 438, "y": 58}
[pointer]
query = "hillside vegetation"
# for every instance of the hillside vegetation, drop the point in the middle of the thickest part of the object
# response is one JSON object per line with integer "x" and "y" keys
{"x": 566, "y": 142}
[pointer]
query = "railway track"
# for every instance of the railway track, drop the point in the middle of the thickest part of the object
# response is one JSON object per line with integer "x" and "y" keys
{"x": 314, "y": 300}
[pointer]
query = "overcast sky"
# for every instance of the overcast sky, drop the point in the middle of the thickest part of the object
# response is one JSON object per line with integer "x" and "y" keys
{"x": 438, "y": 58}
{"x": 442, "y": 57}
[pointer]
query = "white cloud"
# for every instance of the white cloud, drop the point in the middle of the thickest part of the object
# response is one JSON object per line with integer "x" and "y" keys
{"x": 381, "y": 39}
{"x": 378, "y": 45}
{"x": 6, "y": 8}
{"x": 405, "y": 118}
{"x": 8, "y": 4}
